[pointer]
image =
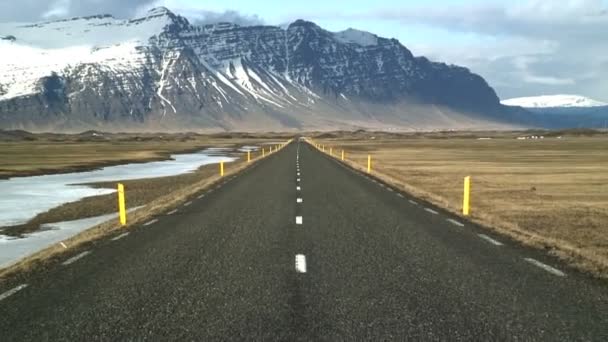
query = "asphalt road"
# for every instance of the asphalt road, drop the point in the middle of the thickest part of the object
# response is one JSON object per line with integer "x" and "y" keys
{"x": 354, "y": 260}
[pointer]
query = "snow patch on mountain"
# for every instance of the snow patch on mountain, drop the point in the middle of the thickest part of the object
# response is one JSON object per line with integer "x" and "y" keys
{"x": 553, "y": 101}
{"x": 40, "y": 50}
{"x": 357, "y": 37}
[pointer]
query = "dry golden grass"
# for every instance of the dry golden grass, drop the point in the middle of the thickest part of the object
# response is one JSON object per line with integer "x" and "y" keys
{"x": 68, "y": 153}
{"x": 550, "y": 193}
{"x": 157, "y": 206}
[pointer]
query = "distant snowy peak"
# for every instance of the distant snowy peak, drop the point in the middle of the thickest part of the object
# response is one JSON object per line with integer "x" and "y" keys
{"x": 553, "y": 101}
{"x": 89, "y": 31}
{"x": 357, "y": 37}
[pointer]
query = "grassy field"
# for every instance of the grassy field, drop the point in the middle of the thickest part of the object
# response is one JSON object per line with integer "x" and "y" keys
{"x": 66, "y": 153}
{"x": 550, "y": 193}
{"x": 157, "y": 194}
{"x": 44, "y": 154}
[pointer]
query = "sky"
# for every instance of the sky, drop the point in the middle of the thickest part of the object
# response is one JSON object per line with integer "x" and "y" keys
{"x": 521, "y": 47}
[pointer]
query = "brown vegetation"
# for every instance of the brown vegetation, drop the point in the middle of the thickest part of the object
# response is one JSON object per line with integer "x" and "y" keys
{"x": 550, "y": 193}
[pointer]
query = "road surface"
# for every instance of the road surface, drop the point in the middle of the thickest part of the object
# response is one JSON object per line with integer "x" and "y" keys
{"x": 324, "y": 255}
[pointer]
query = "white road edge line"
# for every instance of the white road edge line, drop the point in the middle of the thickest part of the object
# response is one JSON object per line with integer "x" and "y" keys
{"x": 300, "y": 263}
{"x": 151, "y": 222}
{"x": 298, "y": 219}
{"x": 413, "y": 202}
{"x": 400, "y": 195}
{"x": 187, "y": 204}
{"x": 431, "y": 211}
{"x": 120, "y": 236}
{"x": 76, "y": 258}
{"x": 490, "y": 240}
{"x": 201, "y": 196}
{"x": 12, "y": 291}
{"x": 299, "y": 200}
{"x": 546, "y": 267}
{"x": 454, "y": 222}
{"x": 172, "y": 212}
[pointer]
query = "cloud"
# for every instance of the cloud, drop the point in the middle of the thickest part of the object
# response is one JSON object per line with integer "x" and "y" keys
{"x": 202, "y": 17}
{"x": 522, "y": 48}
{"x": 36, "y": 10}
{"x": 199, "y": 15}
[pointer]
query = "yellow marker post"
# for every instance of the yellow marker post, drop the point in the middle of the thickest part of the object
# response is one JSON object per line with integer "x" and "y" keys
{"x": 263, "y": 152}
{"x": 331, "y": 151}
{"x": 222, "y": 168}
{"x": 342, "y": 155}
{"x": 466, "y": 196}
{"x": 369, "y": 163}
{"x": 248, "y": 156}
{"x": 121, "y": 204}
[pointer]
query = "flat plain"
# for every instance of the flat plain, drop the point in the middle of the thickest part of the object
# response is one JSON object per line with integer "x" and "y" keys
{"x": 551, "y": 193}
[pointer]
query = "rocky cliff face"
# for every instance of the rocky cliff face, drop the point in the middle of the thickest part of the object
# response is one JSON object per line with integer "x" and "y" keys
{"x": 162, "y": 72}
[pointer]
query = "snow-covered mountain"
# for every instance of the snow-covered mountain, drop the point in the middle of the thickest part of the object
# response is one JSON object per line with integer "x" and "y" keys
{"x": 553, "y": 101}
{"x": 161, "y": 71}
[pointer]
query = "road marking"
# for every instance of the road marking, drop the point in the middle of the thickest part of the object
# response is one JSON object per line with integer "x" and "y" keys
{"x": 187, "y": 203}
{"x": 298, "y": 174}
{"x": 120, "y": 237}
{"x": 297, "y": 180}
{"x": 390, "y": 189}
{"x": 298, "y": 219}
{"x": 400, "y": 195}
{"x": 300, "y": 263}
{"x": 299, "y": 200}
{"x": 63, "y": 245}
{"x": 76, "y": 258}
{"x": 172, "y": 212}
{"x": 201, "y": 196}
{"x": 546, "y": 267}
{"x": 151, "y": 222}
{"x": 22, "y": 286}
{"x": 454, "y": 222}
{"x": 490, "y": 240}
{"x": 413, "y": 202}
{"x": 431, "y": 211}
{"x": 298, "y": 188}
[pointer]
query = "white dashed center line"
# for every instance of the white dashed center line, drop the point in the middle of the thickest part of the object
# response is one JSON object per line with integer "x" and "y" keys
{"x": 299, "y": 200}
{"x": 22, "y": 286}
{"x": 454, "y": 222}
{"x": 76, "y": 258}
{"x": 298, "y": 180}
{"x": 490, "y": 240}
{"x": 151, "y": 222}
{"x": 298, "y": 219}
{"x": 298, "y": 188}
{"x": 431, "y": 211}
{"x": 301, "y": 263}
{"x": 546, "y": 267}
{"x": 120, "y": 236}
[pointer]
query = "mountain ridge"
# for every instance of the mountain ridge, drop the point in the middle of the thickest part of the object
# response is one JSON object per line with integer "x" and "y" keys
{"x": 161, "y": 71}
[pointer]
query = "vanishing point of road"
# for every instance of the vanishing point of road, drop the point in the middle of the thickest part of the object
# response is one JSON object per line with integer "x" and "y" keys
{"x": 301, "y": 248}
